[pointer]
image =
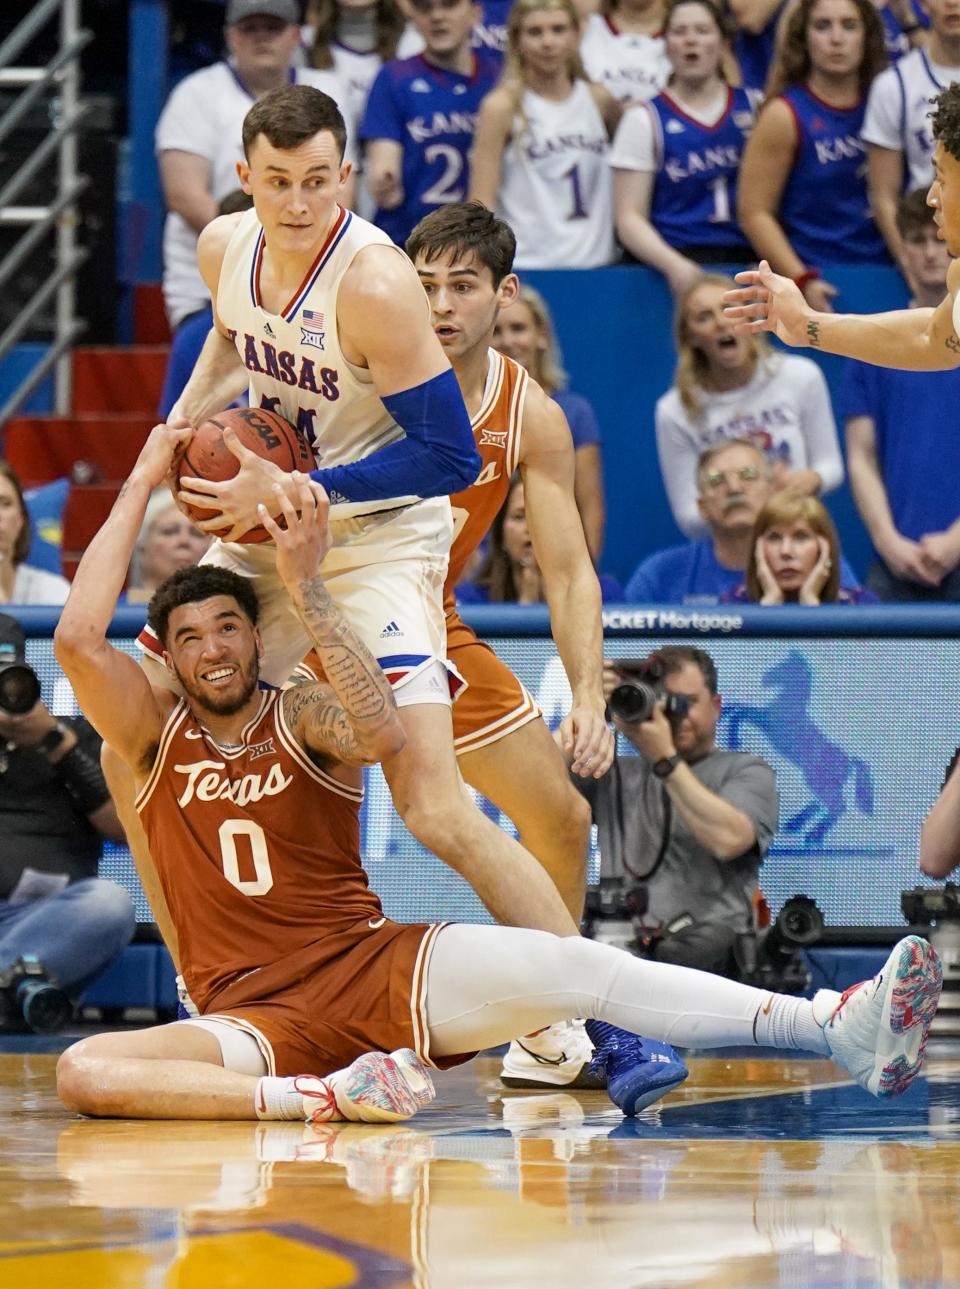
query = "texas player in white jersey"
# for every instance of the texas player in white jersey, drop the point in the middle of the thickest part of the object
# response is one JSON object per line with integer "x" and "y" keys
{"x": 542, "y": 142}
{"x": 910, "y": 339}
{"x": 325, "y": 319}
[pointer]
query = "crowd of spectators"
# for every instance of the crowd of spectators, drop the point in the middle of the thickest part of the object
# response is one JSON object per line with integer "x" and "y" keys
{"x": 682, "y": 134}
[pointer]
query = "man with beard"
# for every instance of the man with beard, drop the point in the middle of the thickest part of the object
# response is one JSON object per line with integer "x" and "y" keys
{"x": 250, "y": 802}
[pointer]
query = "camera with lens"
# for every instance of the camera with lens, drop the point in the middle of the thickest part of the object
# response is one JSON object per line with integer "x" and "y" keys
{"x": 19, "y": 688}
{"x": 926, "y": 905}
{"x": 30, "y": 999}
{"x": 636, "y": 696}
{"x": 773, "y": 959}
{"x": 613, "y": 911}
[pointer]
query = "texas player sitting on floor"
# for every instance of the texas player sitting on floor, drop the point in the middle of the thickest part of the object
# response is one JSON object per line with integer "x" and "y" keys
{"x": 250, "y": 802}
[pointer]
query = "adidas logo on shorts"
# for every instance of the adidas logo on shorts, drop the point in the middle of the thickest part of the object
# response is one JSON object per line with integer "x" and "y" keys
{"x": 391, "y": 629}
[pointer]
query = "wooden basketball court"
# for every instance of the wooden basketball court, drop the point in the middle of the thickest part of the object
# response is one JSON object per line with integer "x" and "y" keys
{"x": 758, "y": 1172}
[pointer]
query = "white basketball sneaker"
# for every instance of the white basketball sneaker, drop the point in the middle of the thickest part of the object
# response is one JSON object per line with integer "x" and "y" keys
{"x": 376, "y": 1088}
{"x": 558, "y": 1057}
{"x": 879, "y": 1028}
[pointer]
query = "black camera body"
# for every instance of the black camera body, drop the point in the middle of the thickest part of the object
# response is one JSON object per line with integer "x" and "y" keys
{"x": 30, "y": 998}
{"x": 635, "y": 698}
{"x": 926, "y": 905}
{"x": 772, "y": 959}
{"x": 19, "y": 688}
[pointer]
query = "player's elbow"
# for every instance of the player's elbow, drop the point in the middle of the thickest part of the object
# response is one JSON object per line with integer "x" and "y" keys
{"x": 463, "y": 468}
{"x": 71, "y": 641}
{"x": 381, "y": 744}
{"x": 937, "y": 860}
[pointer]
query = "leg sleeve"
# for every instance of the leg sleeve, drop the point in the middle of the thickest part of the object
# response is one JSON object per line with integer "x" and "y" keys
{"x": 487, "y": 985}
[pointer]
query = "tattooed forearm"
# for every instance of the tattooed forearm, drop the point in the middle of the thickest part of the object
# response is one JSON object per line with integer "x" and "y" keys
{"x": 362, "y": 701}
{"x": 813, "y": 334}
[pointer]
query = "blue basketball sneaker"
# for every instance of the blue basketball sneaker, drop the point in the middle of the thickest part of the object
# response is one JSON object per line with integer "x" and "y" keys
{"x": 639, "y": 1070}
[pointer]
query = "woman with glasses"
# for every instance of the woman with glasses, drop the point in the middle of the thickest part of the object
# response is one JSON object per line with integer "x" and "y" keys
{"x": 729, "y": 385}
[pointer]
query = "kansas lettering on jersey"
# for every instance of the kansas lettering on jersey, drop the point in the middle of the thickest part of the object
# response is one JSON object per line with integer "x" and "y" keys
{"x": 294, "y": 359}
{"x": 632, "y": 66}
{"x": 556, "y": 188}
{"x": 256, "y": 848}
{"x": 694, "y": 198}
{"x": 496, "y": 431}
{"x": 824, "y": 208}
{"x": 490, "y": 33}
{"x": 432, "y": 114}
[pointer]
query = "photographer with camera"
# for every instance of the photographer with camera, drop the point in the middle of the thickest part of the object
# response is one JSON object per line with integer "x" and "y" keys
{"x": 685, "y": 825}
{"x": 60, "y": 925}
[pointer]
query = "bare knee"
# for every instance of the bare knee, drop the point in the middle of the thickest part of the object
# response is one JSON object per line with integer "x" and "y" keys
{"x": 575, "y": 818}
{"x": 442, "y": 824}
{"x": 80, "y": 1077}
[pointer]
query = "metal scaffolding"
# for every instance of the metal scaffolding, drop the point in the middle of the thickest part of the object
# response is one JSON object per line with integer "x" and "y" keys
{"x": 62, "y": 76}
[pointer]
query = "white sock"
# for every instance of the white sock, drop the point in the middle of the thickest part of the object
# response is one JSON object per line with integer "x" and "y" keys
{"x": 286, "y": 1098}
{"x": 787, "y": 1022}
{"x": 277, "y": 1099}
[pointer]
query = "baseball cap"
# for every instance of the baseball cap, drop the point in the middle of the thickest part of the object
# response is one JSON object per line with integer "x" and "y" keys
{"x": 286, "y": 10}
{"x": 13, "y": 642}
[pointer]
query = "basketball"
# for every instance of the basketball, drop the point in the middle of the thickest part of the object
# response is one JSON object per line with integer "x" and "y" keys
{"x": 266, "y": 433}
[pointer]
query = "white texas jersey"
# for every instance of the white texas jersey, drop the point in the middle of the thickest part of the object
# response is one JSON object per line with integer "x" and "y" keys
{"x": 632, "y": 66}
{"x": 294, "y": 359}
{"x": 556, "y": 186}
{"x": 898, "y": 112}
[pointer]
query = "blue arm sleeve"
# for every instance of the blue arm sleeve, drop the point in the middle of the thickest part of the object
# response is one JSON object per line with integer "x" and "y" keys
{"x": 437, "y": 457}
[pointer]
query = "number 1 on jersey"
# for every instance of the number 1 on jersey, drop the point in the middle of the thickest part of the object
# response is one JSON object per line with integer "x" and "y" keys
{"x": 721, "y": 200}
{"x": 579, "y": 209}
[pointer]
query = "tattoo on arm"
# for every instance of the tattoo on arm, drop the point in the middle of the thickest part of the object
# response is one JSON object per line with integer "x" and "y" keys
{"x": 813, "y": 334}
{"x": 953, "y": 344}
{"x": 361, "y": 701}
{"x": 328, "y": 726}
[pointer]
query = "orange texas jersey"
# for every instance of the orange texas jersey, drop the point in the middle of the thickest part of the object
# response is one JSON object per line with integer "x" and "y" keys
{"x": 496, "y": 429}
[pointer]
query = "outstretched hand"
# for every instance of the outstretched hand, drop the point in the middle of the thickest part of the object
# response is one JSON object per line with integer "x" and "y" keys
{"x": 304, "y": 542}
{"x": 766, "y": 301}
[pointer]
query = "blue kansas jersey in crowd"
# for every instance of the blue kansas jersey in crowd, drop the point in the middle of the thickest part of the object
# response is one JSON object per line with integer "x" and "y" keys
{"x": 490, "y": 33}
{"x": 433, "y": 114}
{"x": 824, "y": 209}
{"x": 694, "y": 198}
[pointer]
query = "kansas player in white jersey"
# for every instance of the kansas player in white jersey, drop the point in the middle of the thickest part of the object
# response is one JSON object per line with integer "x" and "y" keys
{"x": 542, "y": 143}
{"x": 352, "y": 357}
{"x": 909, "y": 339}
